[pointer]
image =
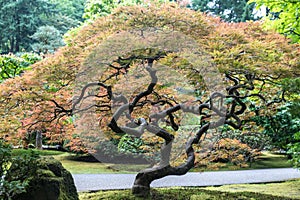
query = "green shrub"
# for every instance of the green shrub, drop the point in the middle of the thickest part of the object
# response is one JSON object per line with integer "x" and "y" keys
{"x": 110, "y": 151}
{"x": 294, "y": 151}
{"x": 227, "y": 151}
{"x": 14, "y": 171}
{"x": 22, "y": 152}
{"x": 251, "y": 137}
{"x": 13, "y": 65}
{"x": 48, "y": 39}
{"x": 281, "y": 127}
{"x": 130, "y": 144}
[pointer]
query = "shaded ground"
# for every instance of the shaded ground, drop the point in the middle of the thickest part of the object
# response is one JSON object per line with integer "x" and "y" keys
{"x": 183, "y": 193}
{"x": 76, "y": 165}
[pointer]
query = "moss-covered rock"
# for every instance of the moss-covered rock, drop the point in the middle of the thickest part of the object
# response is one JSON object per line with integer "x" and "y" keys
{"x": 51, "y": 182}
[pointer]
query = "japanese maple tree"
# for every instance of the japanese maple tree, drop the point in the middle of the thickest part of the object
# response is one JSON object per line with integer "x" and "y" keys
{"x": 145, "y": 70}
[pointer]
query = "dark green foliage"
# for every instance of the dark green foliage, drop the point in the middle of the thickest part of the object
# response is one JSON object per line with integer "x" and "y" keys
{"x": 15, "y": 171}
{"x": 292, "y": 88}
{"x": 63, "y": 23}
{"x": 280, "y": 127}
{"x": 68, "y": 16}
{"x": 48, "y": 39}
{"x": 130, "y": 144}
{"x": 20, "y": 19}
{"x": 292, "y": 85}
{"x": 255, "y": 140}
{"x": 109, "y": 151}
{"x": 229, "y": 10}
{"x": 294, "y": 151}
{"x": 12, "y": 65}
{"x": 70, "y": 8}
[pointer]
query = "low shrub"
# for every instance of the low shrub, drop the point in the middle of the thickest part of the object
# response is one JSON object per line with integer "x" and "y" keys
{"x": 227, "y": 151}
{"x": 14, "y": 171}
{"x": 294, "y": 151}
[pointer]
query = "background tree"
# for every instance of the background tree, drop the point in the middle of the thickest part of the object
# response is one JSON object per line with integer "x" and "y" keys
{"x": 229, "y": 10}
{"x": 48, "y": 39}
{"x": 71, "y": 8}
{"x": 19, "y": 20}
{"x": 96, "y": 8}
{"x": 283, "y": 16}
{"x": 69, "y": 15}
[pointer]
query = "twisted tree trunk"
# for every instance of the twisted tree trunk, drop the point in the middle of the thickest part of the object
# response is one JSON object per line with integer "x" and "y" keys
{"x": 141, "y": 186}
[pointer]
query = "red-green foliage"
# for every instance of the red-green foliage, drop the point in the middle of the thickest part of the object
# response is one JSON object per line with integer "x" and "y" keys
{"x": 226, "y": 151}
{"x": 27, "y": 101}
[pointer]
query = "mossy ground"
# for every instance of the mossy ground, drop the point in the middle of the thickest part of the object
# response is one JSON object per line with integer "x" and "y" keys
{"x": 289, "y": 190}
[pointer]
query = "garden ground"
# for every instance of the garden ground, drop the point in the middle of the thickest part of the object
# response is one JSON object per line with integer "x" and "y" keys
{"x": 275, "y": 191}
{"x": 282, "y": 191}
{"x": 75, "y": 165}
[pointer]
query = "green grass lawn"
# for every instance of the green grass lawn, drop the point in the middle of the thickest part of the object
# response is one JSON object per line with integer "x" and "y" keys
{"x": 290, "y": 189}
{"x": 264, "y": 161}
{"x": 17, "y": 152}
{"x": 75, "y": 166}
{"x": 269, "y": 160}
{"x": 273, "y": 191}
{"x": 72, "y": 163}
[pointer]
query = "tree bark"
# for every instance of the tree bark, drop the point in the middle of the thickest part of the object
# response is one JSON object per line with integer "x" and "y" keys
{"x": 141, "y": 186}
{"x": 39, "y": 140}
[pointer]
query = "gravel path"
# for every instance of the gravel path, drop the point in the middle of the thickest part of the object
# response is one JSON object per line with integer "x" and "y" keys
{"x": 92, "y": 182}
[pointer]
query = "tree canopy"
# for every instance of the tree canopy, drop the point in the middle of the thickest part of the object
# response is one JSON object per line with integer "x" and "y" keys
{"x": 47, "y": 38}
